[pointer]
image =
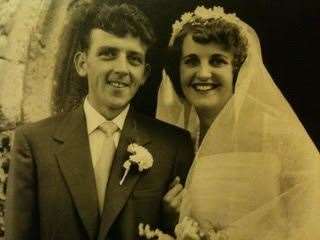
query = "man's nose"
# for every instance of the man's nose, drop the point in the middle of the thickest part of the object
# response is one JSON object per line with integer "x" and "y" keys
{"x": 121, "y": 65}
{"x": 204, "y": 71}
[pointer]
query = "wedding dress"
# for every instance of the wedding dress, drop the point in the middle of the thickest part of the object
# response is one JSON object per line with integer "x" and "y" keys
{"x": 256, "y": 172}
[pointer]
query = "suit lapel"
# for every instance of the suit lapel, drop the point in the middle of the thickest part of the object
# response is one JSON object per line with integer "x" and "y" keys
{"x": 116, "y": 195}
{"x": 75, "y": 163}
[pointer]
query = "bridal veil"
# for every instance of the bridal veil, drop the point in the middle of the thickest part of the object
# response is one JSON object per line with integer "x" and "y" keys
{"x": 256, "y": 172}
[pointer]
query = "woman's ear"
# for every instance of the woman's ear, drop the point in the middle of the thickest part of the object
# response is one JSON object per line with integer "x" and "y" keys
{"x": 80, "y": 62}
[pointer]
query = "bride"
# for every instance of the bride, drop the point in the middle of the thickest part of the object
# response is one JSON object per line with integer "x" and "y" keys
{"x": 256, "y": 171}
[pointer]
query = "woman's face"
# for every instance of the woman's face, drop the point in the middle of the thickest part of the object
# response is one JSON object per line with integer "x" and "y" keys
{"x": 206, "y": 75}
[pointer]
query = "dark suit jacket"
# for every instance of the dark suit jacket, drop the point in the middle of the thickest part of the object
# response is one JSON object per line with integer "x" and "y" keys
{"x": 52, "y": 193}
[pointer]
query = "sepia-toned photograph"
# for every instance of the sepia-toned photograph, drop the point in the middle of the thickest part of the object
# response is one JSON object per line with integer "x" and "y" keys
{"x": 159, "y": 119}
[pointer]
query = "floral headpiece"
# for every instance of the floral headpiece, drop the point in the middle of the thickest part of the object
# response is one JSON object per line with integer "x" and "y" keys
{"x": 203, "y": 14}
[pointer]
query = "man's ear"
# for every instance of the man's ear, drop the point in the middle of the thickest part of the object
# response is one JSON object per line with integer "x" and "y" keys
{"x": 147, "y": 72}
{"x": 80, "y": 62}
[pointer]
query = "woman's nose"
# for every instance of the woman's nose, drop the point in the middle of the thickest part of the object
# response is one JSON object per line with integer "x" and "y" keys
{"x": 204, "y": 71}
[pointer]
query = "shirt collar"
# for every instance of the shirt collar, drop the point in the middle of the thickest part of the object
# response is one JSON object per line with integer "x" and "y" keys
{"x": 95, "y": 119}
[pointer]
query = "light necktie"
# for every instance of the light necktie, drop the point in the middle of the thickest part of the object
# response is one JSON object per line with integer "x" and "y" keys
{"x": 102, "y": 168}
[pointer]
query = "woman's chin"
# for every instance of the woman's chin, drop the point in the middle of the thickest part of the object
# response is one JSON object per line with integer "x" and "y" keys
{"x": 207, "y": 104}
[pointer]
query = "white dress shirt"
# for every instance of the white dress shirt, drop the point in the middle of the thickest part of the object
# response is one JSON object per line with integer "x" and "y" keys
{"x": 96, "y": 137}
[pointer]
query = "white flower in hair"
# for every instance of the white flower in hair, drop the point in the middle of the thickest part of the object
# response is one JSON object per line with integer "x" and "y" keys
{"x": 186, "y": 17}
{"x": 206, "y": 13}
{"x": 200, "y": 15}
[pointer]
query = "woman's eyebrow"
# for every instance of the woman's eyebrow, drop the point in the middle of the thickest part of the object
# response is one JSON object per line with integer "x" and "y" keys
{"x": 189, "y": 55}
{"x": 220, "y": 55}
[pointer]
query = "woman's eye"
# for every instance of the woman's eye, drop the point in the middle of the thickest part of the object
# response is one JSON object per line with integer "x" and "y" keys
{"x": 191, "y": 61}
{"x": 217, "y": 62}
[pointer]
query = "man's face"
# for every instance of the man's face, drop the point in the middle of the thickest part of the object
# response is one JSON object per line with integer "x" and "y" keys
{"x": 115, "y": 69}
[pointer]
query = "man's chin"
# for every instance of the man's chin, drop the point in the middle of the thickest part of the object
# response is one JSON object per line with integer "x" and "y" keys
{"x": 118, "y": 105}
{"x": 118, "y": 108}
{"x": 115, "y": 103}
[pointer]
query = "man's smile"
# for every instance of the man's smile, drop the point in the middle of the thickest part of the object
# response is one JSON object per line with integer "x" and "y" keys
{"x": 117, "y": 84}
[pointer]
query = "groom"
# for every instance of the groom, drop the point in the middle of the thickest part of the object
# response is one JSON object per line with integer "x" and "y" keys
{"x": 64, "y": 179}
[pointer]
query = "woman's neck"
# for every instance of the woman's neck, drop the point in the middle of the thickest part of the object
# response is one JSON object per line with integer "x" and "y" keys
{"x": 206, "y": 119}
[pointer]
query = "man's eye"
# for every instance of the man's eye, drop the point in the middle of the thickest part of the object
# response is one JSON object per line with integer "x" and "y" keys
{"x": 108, "y": 54}
{"x": 135, "y": 60}
{"x": 191, "y": 62}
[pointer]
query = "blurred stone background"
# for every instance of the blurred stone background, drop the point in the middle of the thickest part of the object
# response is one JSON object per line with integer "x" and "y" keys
{"x": 36, "y": 39}
{"x": 39, "y": 37}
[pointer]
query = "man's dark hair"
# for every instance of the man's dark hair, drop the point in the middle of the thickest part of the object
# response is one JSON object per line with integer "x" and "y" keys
{"x": 218, "y": 31}
{"x": 117, "y": 19}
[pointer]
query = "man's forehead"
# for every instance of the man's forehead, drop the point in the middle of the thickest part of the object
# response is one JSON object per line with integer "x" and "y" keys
{"x": 100, "y": 38}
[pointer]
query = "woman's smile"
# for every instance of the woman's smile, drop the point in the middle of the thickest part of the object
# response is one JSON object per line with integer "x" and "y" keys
{"x": 206, "y": 74}
{"x": 204, "y": 87}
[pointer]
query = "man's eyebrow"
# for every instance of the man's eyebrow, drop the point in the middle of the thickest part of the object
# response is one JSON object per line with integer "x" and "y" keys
{"x": 103, "y": 48}
{"x": 133, "y": 52}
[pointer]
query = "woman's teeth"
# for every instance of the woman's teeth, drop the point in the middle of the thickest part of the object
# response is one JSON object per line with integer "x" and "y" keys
{"x": 204, "y": 87}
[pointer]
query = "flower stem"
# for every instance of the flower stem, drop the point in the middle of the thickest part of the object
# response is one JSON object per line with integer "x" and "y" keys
{"x": 124, "y": 175}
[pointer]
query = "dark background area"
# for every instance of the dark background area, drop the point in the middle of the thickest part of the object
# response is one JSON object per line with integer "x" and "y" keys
{"x": 289, "y": 32}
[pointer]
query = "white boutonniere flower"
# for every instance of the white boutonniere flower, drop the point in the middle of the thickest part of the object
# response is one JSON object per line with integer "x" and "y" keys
{"x": 139, "y": 156}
